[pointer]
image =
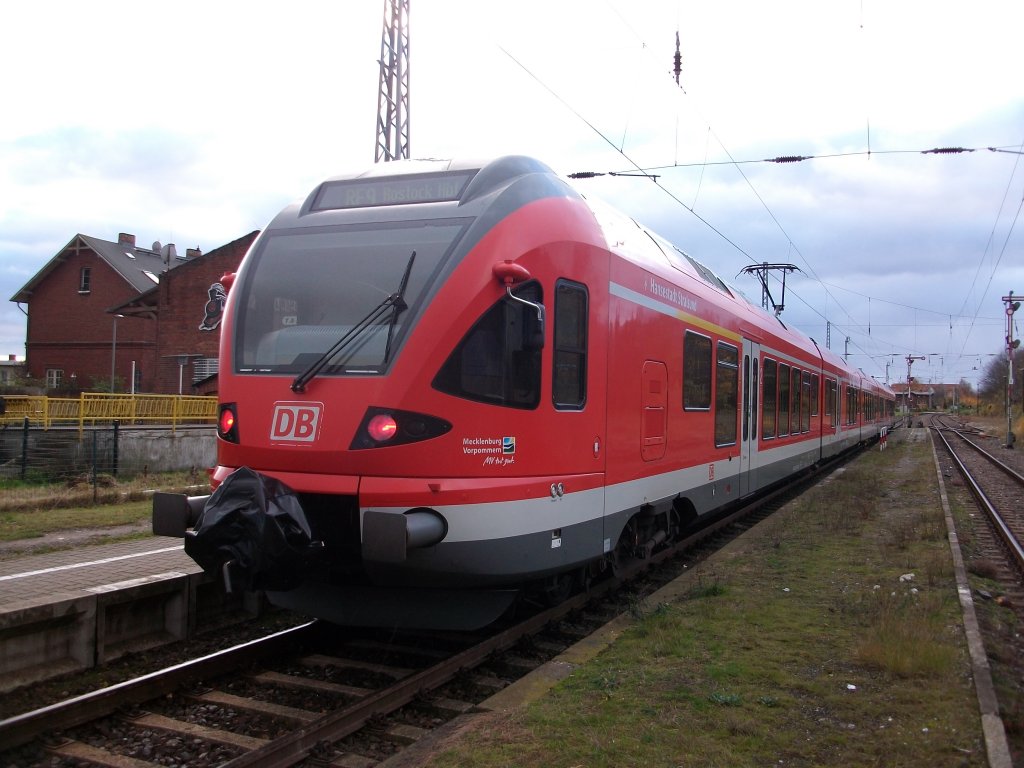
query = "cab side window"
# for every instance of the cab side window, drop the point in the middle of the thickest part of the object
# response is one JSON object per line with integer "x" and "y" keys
{"x": 499, "y": 360}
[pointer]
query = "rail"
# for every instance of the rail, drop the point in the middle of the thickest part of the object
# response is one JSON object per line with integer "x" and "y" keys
{"x": 92, "y": 408}
{"x": 1003, "y": 529}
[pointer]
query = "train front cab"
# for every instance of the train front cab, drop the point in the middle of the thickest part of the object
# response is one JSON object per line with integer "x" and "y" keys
{"x": 520, "y": 478}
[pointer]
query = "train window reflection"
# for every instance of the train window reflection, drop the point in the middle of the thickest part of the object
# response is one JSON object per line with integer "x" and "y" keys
{"x": 726, "y": 389}
{"x": 769, "y": 400}
{"x": 696, "y": 372}
{"x": 569, "y": 384}
{"x": 303, "y": 290}
{"x": 784, "y": 396}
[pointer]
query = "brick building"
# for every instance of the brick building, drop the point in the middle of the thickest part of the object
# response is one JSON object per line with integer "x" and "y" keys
{"x": 186, "y": 348}
{"x": 72, "y": 341}
{"x": 103, "y": 311}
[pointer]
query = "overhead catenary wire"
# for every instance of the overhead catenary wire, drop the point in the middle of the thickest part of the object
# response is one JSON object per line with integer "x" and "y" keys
{"x": 654, "y": 172}
{"x": 789, "y": 159}
{"x": 637, "y": 170}
{"x": 991, "y": 239}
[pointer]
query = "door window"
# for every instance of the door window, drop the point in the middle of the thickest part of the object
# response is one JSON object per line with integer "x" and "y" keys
{"x": 569, "y": 377}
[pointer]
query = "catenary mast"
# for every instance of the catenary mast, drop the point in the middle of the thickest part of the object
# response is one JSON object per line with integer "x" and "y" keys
{"x": 393, "y": 96}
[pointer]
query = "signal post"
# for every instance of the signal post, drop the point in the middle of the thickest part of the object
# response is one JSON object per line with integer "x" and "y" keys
{"x": 1012, "y": 305}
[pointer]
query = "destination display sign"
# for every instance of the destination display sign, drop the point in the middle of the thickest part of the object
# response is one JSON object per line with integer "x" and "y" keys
{"x": 394, "y": 190}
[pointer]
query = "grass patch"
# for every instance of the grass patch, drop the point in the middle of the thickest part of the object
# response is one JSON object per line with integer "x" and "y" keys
{"x": 908, "y": 635}
{"x": 783, "y": 652}
{"x": 30, "y": 511}
{"x": 84, "y": 491}
{"x": 33, "y": 524}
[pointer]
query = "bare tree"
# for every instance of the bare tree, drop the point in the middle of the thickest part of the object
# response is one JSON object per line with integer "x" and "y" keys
{"x": 992, "y": 385}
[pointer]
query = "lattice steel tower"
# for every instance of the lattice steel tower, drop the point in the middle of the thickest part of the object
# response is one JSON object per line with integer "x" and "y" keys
{"x": 393, "y": 97}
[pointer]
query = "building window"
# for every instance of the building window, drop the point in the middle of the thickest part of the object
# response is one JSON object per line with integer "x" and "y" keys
{"x": 696, "y": 372}
{"x": 54, "y": 376}
{"x": 569, "y": 387}
{"x": 204, "y": 368}
{"x": 84, "y": 278}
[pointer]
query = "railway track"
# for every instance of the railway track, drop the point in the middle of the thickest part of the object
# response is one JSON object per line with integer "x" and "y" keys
{"x": 333, "y": 696}
{"x": 997, "y": 487}
{"x": 990, "y": 542}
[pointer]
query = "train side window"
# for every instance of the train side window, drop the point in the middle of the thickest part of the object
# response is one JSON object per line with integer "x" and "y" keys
{"x": 815, "y": 384}
{"x": 768, "y": 402}
{"x": 753, "y": 403}
{"x": 727, "y": 372}
{"x": 499, "y": 360}
{"x": 746, "y": 398}
{"x": 797, "y": 394}
{"x": 569, "y": 379}
{"x": 784, "y": 396}
{"x": 696, "y": 372}
{"x": 831, "y": 403}
{"x": 805, "y": 401}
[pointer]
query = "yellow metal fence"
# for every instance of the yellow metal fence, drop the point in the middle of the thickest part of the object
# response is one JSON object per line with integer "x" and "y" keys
{"x": 92, "y": 408}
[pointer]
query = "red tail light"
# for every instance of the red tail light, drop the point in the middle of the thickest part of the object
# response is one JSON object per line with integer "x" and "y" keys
{"x": 227, "y": 423}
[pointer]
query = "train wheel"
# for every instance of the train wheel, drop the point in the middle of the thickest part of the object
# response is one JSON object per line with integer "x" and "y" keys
{"x": 624, "y": 552}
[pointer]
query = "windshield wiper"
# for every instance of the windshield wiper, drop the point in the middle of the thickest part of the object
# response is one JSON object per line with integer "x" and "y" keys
{"x": 399, "y": 306}
{"x": 395, "y": 302}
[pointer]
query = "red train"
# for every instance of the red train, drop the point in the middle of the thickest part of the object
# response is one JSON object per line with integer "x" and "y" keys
{"x": 453, "y": 382}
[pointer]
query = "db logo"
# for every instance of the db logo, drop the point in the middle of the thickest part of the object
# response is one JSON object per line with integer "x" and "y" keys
{"x": 295, "y": 422}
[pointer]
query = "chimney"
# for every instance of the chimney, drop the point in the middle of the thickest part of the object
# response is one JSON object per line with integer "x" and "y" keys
{"x": 125, "y": 240}
{"x": 192, "y": 253}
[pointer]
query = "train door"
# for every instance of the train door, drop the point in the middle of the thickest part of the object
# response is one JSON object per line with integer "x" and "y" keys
{"x": 574, "y": 420}
{"x": 750, "y": 375}
{"x": 578, "y": 376}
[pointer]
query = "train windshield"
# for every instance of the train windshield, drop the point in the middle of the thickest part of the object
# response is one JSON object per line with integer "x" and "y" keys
{"x": 305, "y": 290}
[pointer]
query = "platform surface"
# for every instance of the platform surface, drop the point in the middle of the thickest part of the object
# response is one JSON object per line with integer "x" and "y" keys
{"x": 91, "y": 568}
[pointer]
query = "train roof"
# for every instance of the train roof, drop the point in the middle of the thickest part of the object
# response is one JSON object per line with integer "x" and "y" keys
{"x": 432, "y": 187}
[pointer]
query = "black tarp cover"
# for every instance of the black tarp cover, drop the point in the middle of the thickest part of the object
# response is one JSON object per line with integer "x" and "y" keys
{"x": 257, "y": 522}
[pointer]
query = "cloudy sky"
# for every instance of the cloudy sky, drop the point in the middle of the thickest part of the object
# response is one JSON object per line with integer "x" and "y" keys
{"x": 194, "y": 123}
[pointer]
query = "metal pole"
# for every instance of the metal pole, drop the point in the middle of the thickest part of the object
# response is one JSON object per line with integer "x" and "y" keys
{"x": 113, "y": 355}
{"x": 24, "y": 447}
{"x": 115, "y": 456}
{"x": 910, "y": 362}
{"x": 94, "y": 470}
